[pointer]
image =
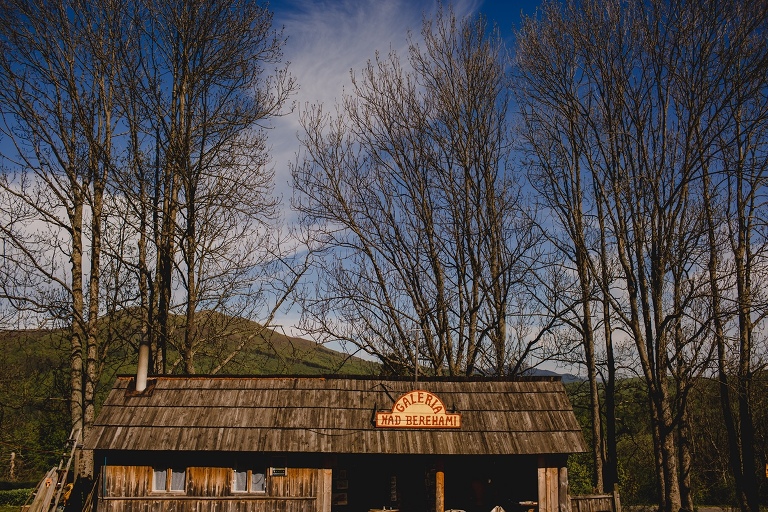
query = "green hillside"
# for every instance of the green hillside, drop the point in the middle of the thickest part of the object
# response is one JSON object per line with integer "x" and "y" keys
{"x": 34, "y": 377}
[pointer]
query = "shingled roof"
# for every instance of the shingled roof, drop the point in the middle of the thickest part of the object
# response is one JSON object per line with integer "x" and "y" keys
{"x": 333, "y": 415}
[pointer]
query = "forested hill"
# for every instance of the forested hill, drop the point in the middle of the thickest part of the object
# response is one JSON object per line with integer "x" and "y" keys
{"x": 34, "y": 379}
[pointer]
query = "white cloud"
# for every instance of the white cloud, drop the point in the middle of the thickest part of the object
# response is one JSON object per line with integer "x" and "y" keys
{"x": 327, "y": 40}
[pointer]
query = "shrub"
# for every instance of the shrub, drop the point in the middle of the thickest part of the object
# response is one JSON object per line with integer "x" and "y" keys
{"x": 15, "y": 497}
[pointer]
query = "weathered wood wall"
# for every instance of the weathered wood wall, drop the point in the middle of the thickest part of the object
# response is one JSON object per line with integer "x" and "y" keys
{"x": 597, "y": 502}
{"x": 207, "y": 481}
{"x": 127, "y": 480}
{"x": 208, "y": 489}
{"x": 553, "y": 485}
{"x": 199, "y": 504}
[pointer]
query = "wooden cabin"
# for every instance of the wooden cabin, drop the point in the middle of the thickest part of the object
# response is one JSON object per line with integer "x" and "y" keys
{"x": 333, "y": 444}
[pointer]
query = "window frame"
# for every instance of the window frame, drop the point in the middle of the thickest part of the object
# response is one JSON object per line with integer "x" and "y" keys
{"x": 249, "y": 481}
{"x": 169, "y": 473}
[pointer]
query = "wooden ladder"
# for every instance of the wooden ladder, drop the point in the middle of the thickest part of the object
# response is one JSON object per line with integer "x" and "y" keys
{"x": 50, "y": 489}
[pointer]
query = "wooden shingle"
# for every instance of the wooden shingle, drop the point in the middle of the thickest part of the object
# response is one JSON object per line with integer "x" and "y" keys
{"x": 333, "y": 415}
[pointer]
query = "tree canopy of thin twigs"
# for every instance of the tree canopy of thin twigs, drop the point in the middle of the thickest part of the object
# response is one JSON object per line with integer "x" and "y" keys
{"x": 429, "y": 239}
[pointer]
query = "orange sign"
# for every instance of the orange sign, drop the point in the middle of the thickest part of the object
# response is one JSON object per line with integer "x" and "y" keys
{"x": 418, "y": 409}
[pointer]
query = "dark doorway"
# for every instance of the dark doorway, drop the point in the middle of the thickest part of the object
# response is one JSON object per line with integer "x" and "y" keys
{"x": 477, "y": 484}
{"x": 407, "y": 482}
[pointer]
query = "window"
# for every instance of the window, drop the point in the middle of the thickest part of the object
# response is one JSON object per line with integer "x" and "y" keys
{"x": 160, "y": 480}
{"x": 169, "y": 479}
{"x": 178, "y": 480}
{"x": 258, "y": 482}
{"x": 253, "y": 481}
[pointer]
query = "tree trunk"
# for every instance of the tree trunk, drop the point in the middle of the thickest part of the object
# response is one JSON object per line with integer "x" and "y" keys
{"x": 724, "y": 385}
{"x": 589, "y": 353}
{"x": 750, "y": 489}
{"x": 611, "y": 472}
{"x": 685, "y": 444}
{"x": 78, "y": 337}
{"x": 672, "y": 497}
{"x": 191, "y": 250}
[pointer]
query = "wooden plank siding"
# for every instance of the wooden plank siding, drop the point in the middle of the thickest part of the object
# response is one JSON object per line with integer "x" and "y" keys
{"x": 597, "y": 502}
{"x": 594, "y": 503}
{"x": 127, "y": 480}
{"x": 129, "y": 488}
{"x": 197, "y": 504}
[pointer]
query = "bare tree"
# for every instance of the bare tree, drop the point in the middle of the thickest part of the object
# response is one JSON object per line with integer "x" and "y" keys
{"x": 734, "y": 178}
{"x": 57, "y": 101}
{"x": 136, "y": 146}
{"x": 632, "y": 95}
{"x": 555, "y": 137}
{"x": 197, "y": 95}
{"x": 410, "y": 182}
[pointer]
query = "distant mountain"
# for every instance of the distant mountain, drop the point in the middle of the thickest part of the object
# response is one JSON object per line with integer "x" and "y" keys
{"x": 567, "y": 378}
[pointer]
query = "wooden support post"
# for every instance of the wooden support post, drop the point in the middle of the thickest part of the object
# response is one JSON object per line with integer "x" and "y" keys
{"x": 564, "y": 497}
{"x": 325, "y": 490}
{"x": 552, "y": 486}
{"x": 553, "y": 480}
{"x": 439, "y": 489}
{"x": 543, "y": 495}
{"x": 616, "y": 500}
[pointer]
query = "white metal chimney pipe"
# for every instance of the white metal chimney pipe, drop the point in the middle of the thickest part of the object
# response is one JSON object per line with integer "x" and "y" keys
{"x": 143, "y": 368}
